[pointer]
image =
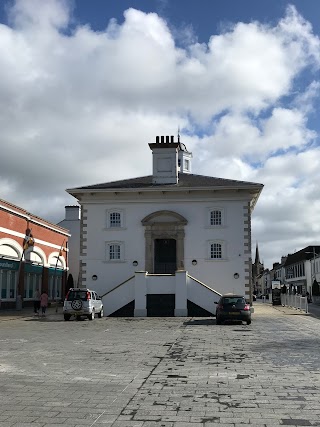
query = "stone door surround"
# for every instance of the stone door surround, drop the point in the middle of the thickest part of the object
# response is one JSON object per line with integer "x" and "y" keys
{"x": 163, "y": 225}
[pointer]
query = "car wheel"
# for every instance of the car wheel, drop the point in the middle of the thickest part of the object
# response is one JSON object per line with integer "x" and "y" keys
{"x": 248, "y": 322}
{"x": 67, "y": 317}
{"x": 91, "y": 316}
{"x": 76, "y": 304}
{"x": 218, "y": 321}
{"x": 100, "y": 314}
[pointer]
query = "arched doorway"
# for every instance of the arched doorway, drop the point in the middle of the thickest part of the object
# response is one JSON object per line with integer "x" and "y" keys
{"x": 164, "y": 242}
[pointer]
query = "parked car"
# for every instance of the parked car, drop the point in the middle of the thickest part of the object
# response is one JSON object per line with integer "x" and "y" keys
{"x": 82, "y": 302}
{"x": 233, "y": 307}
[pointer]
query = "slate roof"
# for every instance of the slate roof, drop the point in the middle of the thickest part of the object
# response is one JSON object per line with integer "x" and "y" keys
{"x": 303, "y": 254}
{"x": 185, "y": 181}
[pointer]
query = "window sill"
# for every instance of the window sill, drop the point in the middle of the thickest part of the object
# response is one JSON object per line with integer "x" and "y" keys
{"x": 114, "y": 261}
{"x": 114, "y": 228}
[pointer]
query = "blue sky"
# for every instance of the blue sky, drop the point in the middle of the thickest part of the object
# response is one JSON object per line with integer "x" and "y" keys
{"x": 205, "y": 16}
{"x": 85, "y": 85}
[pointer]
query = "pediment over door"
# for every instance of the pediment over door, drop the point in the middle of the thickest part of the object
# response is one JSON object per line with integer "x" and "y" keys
{"x": 164, "y": 217}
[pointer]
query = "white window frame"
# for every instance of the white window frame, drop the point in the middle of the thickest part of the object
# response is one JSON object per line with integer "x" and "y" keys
{"x": 32, "y": 281}
{"x": 120, "y": 245}
{"x": 111, "y": 212}
{"x": 55, "y": 286}
{"x": 8, "y": 284}
{"x": 211, "y": 213}
{"x": 211, "y": 243}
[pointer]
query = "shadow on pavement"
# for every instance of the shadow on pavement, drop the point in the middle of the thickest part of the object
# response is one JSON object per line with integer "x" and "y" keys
{"x": 200, "y": 322}
{"x": 44, "y": 319}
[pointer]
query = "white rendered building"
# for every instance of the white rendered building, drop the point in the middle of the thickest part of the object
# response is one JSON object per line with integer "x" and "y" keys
{"x": 166, "y": 244}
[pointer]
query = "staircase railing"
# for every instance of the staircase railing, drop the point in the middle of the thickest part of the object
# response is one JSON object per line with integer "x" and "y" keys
{"x": 204, "y": 285}
{"x": 116, "y": 287}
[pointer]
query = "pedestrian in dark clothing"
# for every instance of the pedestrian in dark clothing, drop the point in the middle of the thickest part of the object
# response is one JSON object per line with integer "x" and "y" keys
{"x": 36, "y": 302}
{"x": 44, "y": 302}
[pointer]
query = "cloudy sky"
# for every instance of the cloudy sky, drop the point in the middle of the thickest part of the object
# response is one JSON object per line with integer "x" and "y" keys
{"x": 85, "y": 86}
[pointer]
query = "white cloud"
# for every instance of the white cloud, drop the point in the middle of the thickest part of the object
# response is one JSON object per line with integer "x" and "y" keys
{"x": 304, "y": 100}
{"x": 37, "y": 15}
{"x": 78, "y": 107}
{"x": 285, "y": 218}
{"x": 252, "y": 140}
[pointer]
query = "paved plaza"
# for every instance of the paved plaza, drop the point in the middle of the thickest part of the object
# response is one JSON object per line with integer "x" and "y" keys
{"x": 145, "y": 372}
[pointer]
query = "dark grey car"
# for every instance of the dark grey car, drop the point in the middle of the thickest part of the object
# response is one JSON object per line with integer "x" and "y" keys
{"x": 233, "y": 307}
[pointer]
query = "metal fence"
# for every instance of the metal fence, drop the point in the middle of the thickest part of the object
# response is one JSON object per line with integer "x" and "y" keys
{"x": 294, "y": 301}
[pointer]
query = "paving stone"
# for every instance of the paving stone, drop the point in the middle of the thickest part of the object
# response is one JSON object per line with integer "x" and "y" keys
{"x": 163, "y": 372}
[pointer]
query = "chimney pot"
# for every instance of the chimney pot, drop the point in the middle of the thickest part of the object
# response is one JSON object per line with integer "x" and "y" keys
{"x": 157, "y": 140}
{"x": 162, "y": 139}
{"x": 172, "y": 139}
{"x": 167, "y": 139}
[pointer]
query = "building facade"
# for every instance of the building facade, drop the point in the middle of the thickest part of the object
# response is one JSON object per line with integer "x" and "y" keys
{"x": 33, "y": 255}
{"x": 172, "y": 238}
{"x": 72, "y": 223}
{"x": 300, "y": 270}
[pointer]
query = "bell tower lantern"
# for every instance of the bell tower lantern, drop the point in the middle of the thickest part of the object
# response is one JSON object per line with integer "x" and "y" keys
{"x": 168, "y": 159}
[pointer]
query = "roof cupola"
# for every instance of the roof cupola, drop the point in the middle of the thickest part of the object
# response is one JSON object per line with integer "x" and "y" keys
{"x": 169, "y": 158}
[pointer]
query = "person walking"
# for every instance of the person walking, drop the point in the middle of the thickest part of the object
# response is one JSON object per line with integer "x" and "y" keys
{"x": 36, "y": 302}
{"x": 44, "y": 299}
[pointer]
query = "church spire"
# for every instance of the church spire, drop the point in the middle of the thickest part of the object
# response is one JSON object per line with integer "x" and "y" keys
{"x": 257, "y": 259}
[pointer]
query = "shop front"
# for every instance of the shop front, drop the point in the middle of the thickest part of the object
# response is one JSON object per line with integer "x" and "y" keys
{"x": 8, "y": 279}
{"x": 32, "y": 281}
{"x": 32, "y": 277}
{"x": 298, "y": 287}
{"x": 55, "y": 289}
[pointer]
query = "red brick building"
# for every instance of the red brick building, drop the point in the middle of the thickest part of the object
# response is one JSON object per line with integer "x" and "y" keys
{"x": 39, "y": 261}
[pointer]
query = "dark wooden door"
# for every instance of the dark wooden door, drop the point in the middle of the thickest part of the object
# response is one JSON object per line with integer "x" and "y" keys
{"x": 160, "y": 305}
{"x": 165, "y": 256}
